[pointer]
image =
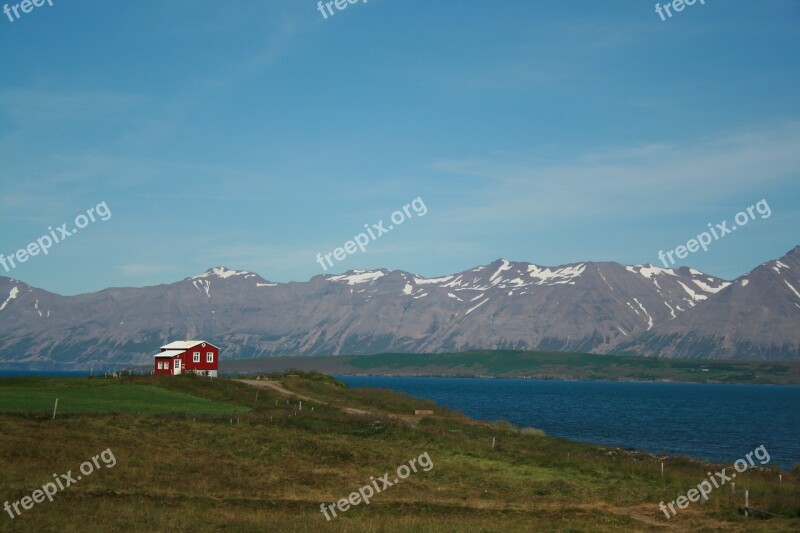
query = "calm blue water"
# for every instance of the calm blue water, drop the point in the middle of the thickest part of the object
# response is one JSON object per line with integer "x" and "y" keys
{"x": 719, "y": 423}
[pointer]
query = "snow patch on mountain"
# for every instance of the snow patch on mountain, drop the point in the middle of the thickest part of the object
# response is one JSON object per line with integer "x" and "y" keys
{"x": 205, "y": 284}
{"x": 454, "y": 283}
{"x": 495, "y": 279}
{"x": 607, "y": 283}
{"x": 778, "y": 266}
{"x": 11, "y": 295}
{"x": 557, "y": 276}
{"x": 359, "y": 276}
{"x": 793, "y": 289}
{"x": 649, "y": 271}
{"x": 223, "y": 273}
{"x": 693, "y": 295}
{"x": 709, "y": 288}
{"x": 426, "y": 281}
{"x": 649, "y": 318}
{"x": 477, "y": 306}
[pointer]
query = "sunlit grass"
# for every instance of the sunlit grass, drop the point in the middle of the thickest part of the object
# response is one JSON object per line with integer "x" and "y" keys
{"x": 269, "y": 469}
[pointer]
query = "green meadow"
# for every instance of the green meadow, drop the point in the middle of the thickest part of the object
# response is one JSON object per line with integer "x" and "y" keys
{"x": 186, "y": 462}
{"x": 38, "y": 395}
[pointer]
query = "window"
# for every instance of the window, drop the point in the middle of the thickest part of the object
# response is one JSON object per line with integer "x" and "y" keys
{"x": 196, "y": 357}
{"x": 159, "y": 365}
{"x": 209, "y": 357}
{"x": 177, "y": 364}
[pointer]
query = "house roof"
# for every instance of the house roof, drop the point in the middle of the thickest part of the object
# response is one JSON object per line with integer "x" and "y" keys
{"x": 169, "y": 353}
{"x": 183, "y": 345}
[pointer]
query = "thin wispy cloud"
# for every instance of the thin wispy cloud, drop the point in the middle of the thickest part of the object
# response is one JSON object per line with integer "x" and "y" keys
{"x": 258, "y": 136}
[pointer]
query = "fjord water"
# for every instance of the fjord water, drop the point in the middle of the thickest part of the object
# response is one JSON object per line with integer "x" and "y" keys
{"x": 719, "y": 423}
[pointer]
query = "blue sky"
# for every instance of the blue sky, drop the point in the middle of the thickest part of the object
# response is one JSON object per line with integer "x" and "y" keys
{"x": 255, "y": 135}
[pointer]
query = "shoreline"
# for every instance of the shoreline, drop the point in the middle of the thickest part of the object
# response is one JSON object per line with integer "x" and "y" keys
{"x": 611, "y": 447}
{"x": 524, "y": 378}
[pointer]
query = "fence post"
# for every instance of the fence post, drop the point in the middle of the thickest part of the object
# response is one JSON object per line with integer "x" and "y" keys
{"x": 55, "y": 407}
{"x": 746, "y": 501}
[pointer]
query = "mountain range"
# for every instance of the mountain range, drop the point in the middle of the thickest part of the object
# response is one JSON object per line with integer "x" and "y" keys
{"x": 598, "y": 307}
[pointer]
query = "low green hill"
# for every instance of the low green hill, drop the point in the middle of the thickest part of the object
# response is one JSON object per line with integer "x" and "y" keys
{"x": 537, "y": 365}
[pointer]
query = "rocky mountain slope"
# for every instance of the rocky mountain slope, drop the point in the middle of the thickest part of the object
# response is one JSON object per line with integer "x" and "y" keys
{"x": 591, "y": 307}
{"x": 757, "y": 317}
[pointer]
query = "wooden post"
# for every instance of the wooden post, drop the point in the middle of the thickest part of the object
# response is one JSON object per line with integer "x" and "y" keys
{"x": 301, "y": 405}
{"x": 732, "y": 495}
{"x": 493, "y": 443}
{"x": 55, "y": 407}
{"x": 662, "y": 469}
{"x": 746, "y": 501}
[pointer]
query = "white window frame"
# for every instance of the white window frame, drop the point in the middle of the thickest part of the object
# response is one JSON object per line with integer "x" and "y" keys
{"x": 209, "y": 357}
{"x": 196, "y": 357}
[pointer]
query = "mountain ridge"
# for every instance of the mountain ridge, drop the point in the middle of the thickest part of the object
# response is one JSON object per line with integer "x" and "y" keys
{"x": 599, "y": 307}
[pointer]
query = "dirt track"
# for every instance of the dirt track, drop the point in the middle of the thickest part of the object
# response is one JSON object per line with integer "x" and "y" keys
{"x": 277, "y": 387}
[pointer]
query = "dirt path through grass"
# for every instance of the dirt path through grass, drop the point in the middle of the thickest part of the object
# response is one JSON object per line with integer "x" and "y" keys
{"x": 277, "y": 387}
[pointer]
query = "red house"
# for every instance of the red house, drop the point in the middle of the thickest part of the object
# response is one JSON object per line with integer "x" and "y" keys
{"x": 199, "y": 357}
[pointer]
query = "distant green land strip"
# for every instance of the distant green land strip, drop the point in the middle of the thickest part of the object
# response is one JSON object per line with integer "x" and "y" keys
{"x": 534, "y": 365}
{"x": 77, "y": 395}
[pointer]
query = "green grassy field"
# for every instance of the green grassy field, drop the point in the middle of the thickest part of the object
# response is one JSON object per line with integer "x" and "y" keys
{"x": 270, "y": 468}
{"x": 38, "y": 395}
{"x": 541, "y": 365}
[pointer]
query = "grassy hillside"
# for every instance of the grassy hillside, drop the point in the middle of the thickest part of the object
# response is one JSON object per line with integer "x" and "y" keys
{"x": 103, "y": 396}
{"x": 270, "y": 468}
{"x": 541, "y": 365}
